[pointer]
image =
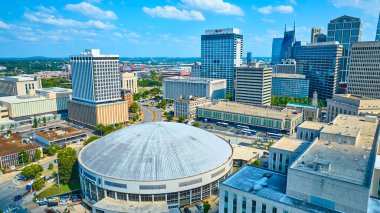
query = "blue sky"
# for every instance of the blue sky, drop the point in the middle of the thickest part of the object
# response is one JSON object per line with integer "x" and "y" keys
{"x": 138, "y": 28}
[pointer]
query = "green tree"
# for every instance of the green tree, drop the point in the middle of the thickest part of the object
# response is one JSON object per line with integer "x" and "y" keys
{"x": 51, "y": 150}
{"x": 256, "y": 163}
{"x": 135, "y": 108}
{"x": 206, "y": 207}
{"x": 12, "y": 126}
{"x": 196, "y": 124}
{"x": 9, "y": 131}
{"x": 181, "y": 119}
{"x": 229, "y": 96}
{"x": 32, "y": 171}
{"x": 169, "y": 117}
{"x": 51, "y": 166}
{"x": 309, "y": 118}
{"x": 91, "y": 139}
{"x": 44, "y": 120}
{"x": 2, "y": 127}
{"x": 37, "y": 155}
{"x": 162, "y": 104}
{"x": 66, "y": 164}
{"x": 35, "y": 122}
{"x": 23, "y": 156}
{"x": 38, "y": 184}
{"x": 155, "y": 91}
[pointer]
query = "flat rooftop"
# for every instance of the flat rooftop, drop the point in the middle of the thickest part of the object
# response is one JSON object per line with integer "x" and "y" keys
{"x": 285, "y": 75}
{"x": 353, "y": 97}
{"x": 312, "y": 125}
{"x": 22, "y": 99}
{"x": 269, "y": 185}
{"x": 13, "y": 145}
{"x": 291, "y": 144}
{"x": 55, "y": 90}
{"x": 350, "y": 163}
{"x": 192, "y": 79}
{"x": 246, "y": 109}
{"x": 245, "y": 152}
{"x": 115, "y": 205}
{"x": 293, "y": 104}
{"x": 18, "y": 78}
{"x": 60, "y": 133}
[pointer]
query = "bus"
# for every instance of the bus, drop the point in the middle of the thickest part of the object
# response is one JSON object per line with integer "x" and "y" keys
{"x": 241, "y": 127}
{"x": 245, "y": 131}
{"x": 222, "y": 124}
{"x": 274, "y": 135}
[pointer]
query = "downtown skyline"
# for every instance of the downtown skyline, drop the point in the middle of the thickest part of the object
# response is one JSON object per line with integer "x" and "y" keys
{"x": 164, "y": 28}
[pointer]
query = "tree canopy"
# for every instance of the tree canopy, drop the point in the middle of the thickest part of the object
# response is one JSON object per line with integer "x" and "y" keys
{"x": 67, "y": 161}
{"x": 23, "y": 156}
{"x": 32, "y": 171}
{"x": 134, "y": 108}
{"x": 91, "y": 139}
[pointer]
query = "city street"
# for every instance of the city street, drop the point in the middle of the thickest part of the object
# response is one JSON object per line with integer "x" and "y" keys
{"x": 151, "y": 114}
{"x": 8, "y": 190}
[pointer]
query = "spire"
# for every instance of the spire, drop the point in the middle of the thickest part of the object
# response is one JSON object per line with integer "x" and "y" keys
{"x": 285, "y": 27}
{"x": 294, "y": 26}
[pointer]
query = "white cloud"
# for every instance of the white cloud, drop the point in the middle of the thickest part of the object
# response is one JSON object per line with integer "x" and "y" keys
{"x": 118, "y": 35}
{"x": 171, "y": 12}
{"x": 284, "y": 9}
{"x": 4, "y": 25}
{"x": 268, "y": 20}
{"x": 90, "y": 10}
{"x": 293, "y": 2}
{"x": 216, "y": 6}
{"x": 368, "y": 6}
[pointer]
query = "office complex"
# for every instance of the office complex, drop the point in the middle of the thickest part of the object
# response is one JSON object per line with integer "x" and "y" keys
{"x": 276, "y": 50}
{"x": 351, "y": 105}
{"x": 19, "y": 85}
{"x": 96, "y": 89}
{"x": 314, "y": 31}
{"x": 175, "y": 87}
{"x": 196, "y": 69}
{"x": 377, "y": 38}
{"x": 249, "y": 57}
{"x": 319, "y": 62}
{"x": 345, "y": 30}
{"x": 253, "y": 85}
{"x": 186, "y": 105}
{"x": 128, "y": 82}
{"x": 158, "y": 161}
{"x": 288, "y": 66}
{"x": 290, "y": 85}
{"x": 221, "y": 52}
{"x": 364, "y": 69}
{"x": 277, "y": 120}
{"x": 287, "y": 44}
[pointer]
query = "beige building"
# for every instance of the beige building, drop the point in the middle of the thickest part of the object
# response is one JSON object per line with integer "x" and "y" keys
{"x": 4, "y": 115}
{"x": 186, "y": 106}
{"x": 128, "y": 82}
{"x": 349, "y": 104}
{"x": 245, "y": 154}
{"x": 92, "y": 115}
{"x": 18, "y": 85}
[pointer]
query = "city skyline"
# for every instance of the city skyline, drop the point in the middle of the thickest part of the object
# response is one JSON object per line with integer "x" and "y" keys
{"x": 151, "y": 29}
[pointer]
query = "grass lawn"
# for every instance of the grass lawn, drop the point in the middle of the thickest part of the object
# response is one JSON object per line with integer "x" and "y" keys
{"x": 58, "y": 189}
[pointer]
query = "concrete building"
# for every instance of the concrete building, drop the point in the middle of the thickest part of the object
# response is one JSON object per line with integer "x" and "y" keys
{"x": 96, "y": 89}
{"x": 4, "y": 114}
{"x": 128, "y": 82}
{"x": 290, "y": 85}
{"x": 186, "y": 105}
{"x": 351, "y": 105}
{"x": 375, "y": 188}
{"x": 44, "y": 101}
{"x": 19, "y": 85}
{"x": 245, "y": 154}
{"x": 283, "y": 153}
{"x": 377, "y": 38}
{"x": 277, "y": 120}
{"x": 310, "y": 130}
{"x": 253, "y": 85}
{"x": 309, "y": 112}
{"x": 345, "y": 30}
{"x": 221, "y": 66}
{"x": 288, "y": 66}
{"x": 196, "y": 69}
{"x": 139, "y": 164}
{"x": 175, "y": 87}
{"x": 11, "y": 145}
{"x": 111, "y": 205}
{"x": 314, "y": 31}
{"x": 319, "y": 62}
{"x": 276, "y": 50}
{"x": 60, "y": 136}
{"x": 364, "y": 69}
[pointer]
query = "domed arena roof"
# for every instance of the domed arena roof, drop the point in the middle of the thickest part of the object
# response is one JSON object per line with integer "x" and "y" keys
{"x": 155, "y": 151}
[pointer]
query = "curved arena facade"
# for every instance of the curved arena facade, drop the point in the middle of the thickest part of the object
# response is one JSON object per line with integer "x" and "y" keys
{"x": 160, "y": 161}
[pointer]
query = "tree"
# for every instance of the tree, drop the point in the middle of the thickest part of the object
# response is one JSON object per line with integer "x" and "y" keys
{"x": 44, "y": 120}
{"x": 66, "y": 164}
{"x": 9, "y": 131}
{"x": 162, "y": 104}
{"x": 38, "y": 184}
{"x": 23, "y": 156}
{"x": 37, "y": 155}
{"x": 155, "y": 91}
{"x": 51, "y": 150}
{"x": 169, "y": 117}
{"x": 229, "y": 96}
{"x": 2, "y": 127}
{"x": 51, "y": 166}
{"x": 35, "y": 122}
{"x": 12, "y": 126}
{"x": 256, "y": 163}
{"x": 91, "y": 139}
{"x": 134, "y": 107}
{"x": 309, "y": 118}
{"x": 206, "y": 207}
{"x": 32, "y": 171}
{"x": 196, "y": 124}
{"x": 181, "y": 119}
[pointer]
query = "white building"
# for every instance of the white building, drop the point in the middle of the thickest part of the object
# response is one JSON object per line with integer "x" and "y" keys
{"x": 186, "y": 106}
{"x": 128, "y": 82}
{"x": 19, "y": 85}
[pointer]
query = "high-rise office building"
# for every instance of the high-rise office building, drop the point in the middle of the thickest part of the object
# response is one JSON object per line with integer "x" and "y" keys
{"x": 96, "y": 97}
{"x": 378, "y": 30}
{"x": 276, "y": 50}
{"x": 249, "y": 57}
{"x": 364, "y": 76}
{"x": 320, "y": 37}
{"x": 287, "y": 44}
{"x": 288, "y": 66}
{"x": 290, "y": 85}
{"x": 345, "y": 30}
{"x": 314, "y": 32}
{"x": 253, "y": 85}
{"x": 320, "y": 63}
{"x": 221, "y": 51}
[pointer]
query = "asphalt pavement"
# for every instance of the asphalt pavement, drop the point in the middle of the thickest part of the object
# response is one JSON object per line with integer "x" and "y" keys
{"x": 8, "y": 190}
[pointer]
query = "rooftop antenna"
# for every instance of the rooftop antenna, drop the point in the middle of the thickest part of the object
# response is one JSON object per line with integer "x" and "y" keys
{"x": 285, "y": 27}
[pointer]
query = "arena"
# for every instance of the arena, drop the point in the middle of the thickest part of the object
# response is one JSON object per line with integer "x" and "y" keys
{"x": 160, "y": 161}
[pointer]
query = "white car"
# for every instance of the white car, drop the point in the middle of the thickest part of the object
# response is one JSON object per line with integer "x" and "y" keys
{"x": 63, "y": 201}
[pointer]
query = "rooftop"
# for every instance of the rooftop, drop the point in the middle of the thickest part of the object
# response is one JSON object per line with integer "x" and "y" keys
{"x": 13, "y": 145}
{"x": 19, "y": 78}
{"x": 291, "y": 144}
{"x": 21, "y": 98}
{"x": 117, "y": 205}
{"x": 312, "y": 125}
{"x": 351, "y": 163}
{"x": 285, "y": 75}
{"x": 193, "y": 79}
{"x": 54, "y": 90}
{"x": 293, "y": 104}
{"x": 269, "y": 185}
{"x": 245, "y": 152}
{"x": 267, "y": 112}
{"x": 155, "y": 151}
{"x": 60, "y": 133}
{"x": 191, "y": 98}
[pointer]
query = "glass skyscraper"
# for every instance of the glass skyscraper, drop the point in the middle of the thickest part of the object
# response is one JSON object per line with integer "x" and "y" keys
{"x": 287, "y": 44}
{"x": 378, "y": 30}
{"x": 319, "y": 62}
{"x": 221, "y": 51}
{"x": 345, "y": 30}
{"x": 290, "y": 85}
{"x": 276, "y": 50}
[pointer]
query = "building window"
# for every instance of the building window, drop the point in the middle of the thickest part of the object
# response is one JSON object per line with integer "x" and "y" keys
{"x": 133, "y": 197}
{"x": 111, "y": 194}
{"x": 263, "y": 208}
{"x": 244, "y": 205}
{"x": 234, "y": 204}
{"x": 146, "y": 198}
{"x": 121, "y": 196}
{"x": 159, "y": 197}
{"x": 253, "y": 206}
{"x": 274, "y": 210}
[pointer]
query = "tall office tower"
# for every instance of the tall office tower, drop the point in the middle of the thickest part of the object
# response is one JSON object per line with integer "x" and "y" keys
{"x": 364, "y": 77}
{"x": 221, "y": 51}
{"x": 320, "y": 63}
{"x": 320, "y": 37}
{"x": 253, "y": 85}
{"x": 345, "y": 30}
{"x": 314, "y": 32}
{"x": 196, "y": 69}
{"x": 249, "y": 57}
{"x": 276, "y": 50}
{"x": 288, "y": 66}
{"x": 96, "y": 89}
{"x": 290, "y": 85}
{"x": 378, "y": 30}
{"x": 287, "y": 44}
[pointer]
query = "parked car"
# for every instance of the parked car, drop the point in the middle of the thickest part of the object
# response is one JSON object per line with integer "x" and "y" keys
{"x": 75, "y": 198}
{"x": 64, "y": 201}
{"x": 53, "y": 199}
{"x": 55, "y": 203}
{"x": 42, "y": 202}
{"x": 17, "y": 198}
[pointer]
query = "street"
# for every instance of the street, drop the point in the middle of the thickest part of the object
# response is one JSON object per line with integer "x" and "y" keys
{"x": 151, "y": 114}
{"x": 8, "y": 190}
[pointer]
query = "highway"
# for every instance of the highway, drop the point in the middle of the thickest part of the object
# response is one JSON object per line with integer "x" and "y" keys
{"x": 151, "y": 114}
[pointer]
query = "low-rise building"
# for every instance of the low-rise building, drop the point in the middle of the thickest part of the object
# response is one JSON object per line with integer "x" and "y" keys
{"x": 349, "y": 104}
{"x": 309, "y": 130}
{"x": 59, "y": 135}
{"x": 290, "y": 85}
{"x": 111, "y": 205}
{"x": 245, "y": 154}
{"x": 309, "y": 112}
{"x": 4, "y": 115}
{"x": 10, "y": 147}
{"x": 19, "y": 85}
{"x": 271, "y": 119}
{"x": 128, "y": 81}
{"x": 186, "y": 105}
